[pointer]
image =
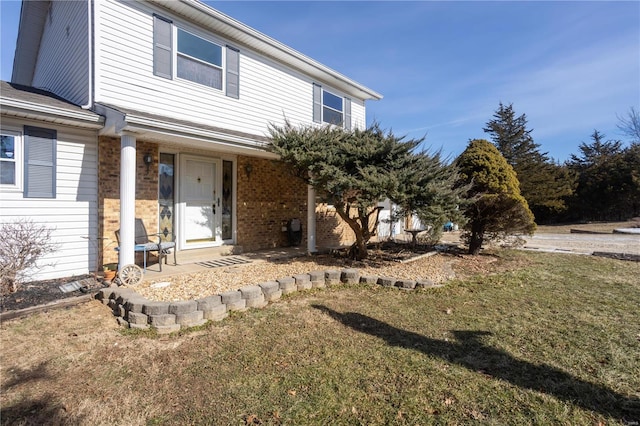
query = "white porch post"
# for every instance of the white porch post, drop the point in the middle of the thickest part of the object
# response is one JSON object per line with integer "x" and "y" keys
{"x": 311, "y": 219}
{"x": 127, "y": 198}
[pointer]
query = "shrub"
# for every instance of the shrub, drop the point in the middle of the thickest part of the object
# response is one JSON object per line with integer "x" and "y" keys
{"x": 22, "y": 244}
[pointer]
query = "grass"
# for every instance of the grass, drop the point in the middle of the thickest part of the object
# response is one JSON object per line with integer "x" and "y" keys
{"x": 543, "y": 339}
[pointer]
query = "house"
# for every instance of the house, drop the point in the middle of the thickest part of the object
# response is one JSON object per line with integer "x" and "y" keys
{"x": 181, "y": 97}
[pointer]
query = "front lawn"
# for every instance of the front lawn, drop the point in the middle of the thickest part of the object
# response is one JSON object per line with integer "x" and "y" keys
{"x": 543, "y": 339}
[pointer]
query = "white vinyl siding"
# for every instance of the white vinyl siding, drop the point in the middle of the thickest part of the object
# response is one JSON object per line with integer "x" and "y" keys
{"x": 270, "y": 91}
{"x": 73, "y": 213}
{"x": 63, "y": 59}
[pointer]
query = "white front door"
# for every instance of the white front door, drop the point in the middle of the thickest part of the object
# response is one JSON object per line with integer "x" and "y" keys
{"x": 200, "y": 201}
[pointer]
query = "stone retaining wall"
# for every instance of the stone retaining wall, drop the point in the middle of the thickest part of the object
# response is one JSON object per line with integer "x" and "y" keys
{"x": 134, "y": 311}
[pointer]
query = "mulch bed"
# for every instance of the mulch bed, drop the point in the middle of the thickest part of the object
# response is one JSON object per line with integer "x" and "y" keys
{"x": 41, "y": 292}
{"x": 38, "y": 293}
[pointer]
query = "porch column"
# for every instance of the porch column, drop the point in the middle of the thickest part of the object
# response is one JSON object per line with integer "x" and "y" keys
{"x": 127, "y": 198}
{"x": 311, "y": 219}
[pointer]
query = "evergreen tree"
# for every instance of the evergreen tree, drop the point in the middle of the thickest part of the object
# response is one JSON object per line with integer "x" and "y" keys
{"x": 608, "y": 179}
{"x": 356, "y": 169}
{"x": 543, "y": 184}
{"x": 497, "y": 208}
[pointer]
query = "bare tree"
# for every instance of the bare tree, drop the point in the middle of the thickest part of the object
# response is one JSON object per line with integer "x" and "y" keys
{"x": 23, "y": 243}
{"x": 630, "y": 124}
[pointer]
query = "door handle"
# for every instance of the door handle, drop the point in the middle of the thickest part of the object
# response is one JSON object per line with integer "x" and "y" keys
{"x": 218, "y": 201}
{"x": 213, "y": 208}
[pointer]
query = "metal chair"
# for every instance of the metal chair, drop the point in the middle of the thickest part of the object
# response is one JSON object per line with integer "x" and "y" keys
{"x": 144, "y": 244}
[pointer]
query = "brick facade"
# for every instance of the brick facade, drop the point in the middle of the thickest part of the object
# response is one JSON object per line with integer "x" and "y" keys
{"x": 331, "y": 230}
{"x": 267, "y": 197}
{"x": 109, "y": 191}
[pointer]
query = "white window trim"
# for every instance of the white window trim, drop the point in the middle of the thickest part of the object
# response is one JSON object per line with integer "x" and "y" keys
{"x": 19, "y": 160}
{"x": 175, "y": 27}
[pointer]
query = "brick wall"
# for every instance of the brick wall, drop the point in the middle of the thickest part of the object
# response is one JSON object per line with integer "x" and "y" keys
{"x": 331, "y": 230}
{"x": 109, "y": 191}
{"x": 268, "y": 197}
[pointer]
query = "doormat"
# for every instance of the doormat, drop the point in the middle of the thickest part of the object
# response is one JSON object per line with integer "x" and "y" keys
{"x": 224, "y": 261}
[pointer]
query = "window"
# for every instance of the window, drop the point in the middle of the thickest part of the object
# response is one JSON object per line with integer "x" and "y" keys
{"x": 196, "y": 59}
{"x": 28, "y": 162}
{"x": 199, "y": 60}
{"x": 10, "y": 157}
{"x": 330, "y": 108}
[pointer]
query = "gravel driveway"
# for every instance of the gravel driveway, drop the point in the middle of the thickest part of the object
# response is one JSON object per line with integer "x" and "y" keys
{"x": 585, "y": 243}
{"x": 575, "y": 243}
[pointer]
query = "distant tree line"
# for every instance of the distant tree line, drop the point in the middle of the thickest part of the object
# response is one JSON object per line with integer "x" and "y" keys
{"x": 601, "y": 182}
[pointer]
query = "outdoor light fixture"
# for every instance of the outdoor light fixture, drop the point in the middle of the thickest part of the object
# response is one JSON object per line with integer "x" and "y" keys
{"x": 248, "y": 168}
{"x": 148, "y": 159}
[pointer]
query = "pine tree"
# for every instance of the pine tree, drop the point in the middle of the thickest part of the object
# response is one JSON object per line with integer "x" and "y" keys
{"x": 497, "y": 209}
{"x": 355, "y": 170}
{"x": 608, "y": 179}
{"x": 543, "y": 184}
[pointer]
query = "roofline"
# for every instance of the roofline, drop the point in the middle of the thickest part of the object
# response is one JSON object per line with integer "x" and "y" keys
{"x": 33, "y": 15}
{"x": 32, "y": 18}
{"x": 268, "y": 46}
{"x": 36, "y": 111}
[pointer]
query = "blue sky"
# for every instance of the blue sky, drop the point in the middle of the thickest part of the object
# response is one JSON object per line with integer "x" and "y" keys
{"x": 443, "y": 67}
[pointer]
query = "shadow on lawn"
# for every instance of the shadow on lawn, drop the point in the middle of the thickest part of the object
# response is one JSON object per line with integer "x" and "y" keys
{"x": 471, "y": 353}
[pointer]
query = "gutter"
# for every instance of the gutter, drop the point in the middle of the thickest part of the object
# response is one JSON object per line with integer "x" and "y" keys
{"x": 90, "y": 49}
{"x": 12, "y": 107}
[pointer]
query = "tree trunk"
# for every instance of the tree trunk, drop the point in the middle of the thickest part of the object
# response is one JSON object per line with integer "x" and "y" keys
{"x": 358, "y": 249}
{"x": 477, "y": 237}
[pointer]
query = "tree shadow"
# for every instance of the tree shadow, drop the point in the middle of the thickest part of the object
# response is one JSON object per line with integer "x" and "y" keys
{"x": 471, "y": 353}
{"x": 45, "y": 409}
{"x": 20, "y": 376}
{"x": 39, "y": 411}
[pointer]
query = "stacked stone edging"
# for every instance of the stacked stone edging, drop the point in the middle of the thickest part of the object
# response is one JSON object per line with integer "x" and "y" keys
{"x": 135, "y": 311}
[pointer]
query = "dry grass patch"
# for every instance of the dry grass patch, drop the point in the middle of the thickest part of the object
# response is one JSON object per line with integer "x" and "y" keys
{"x": 527, "y": 339}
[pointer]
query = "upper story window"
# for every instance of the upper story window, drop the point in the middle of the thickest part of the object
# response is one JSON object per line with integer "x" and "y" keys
{"x": 199, "y": 60}
{"x": 196, "y": 59}
{"x": 330, "y": 108}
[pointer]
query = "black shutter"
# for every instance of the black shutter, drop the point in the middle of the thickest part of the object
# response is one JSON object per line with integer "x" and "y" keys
{"x": 162, "y": 47}
{"x": 233, "y": 72}
{"x": 39, "y": 162}
{"x": 317, "y": 103}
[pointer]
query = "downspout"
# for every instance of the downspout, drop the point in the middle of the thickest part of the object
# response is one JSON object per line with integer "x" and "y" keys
{"x": 90, "y": 49}
{"x": 311, "y": 220}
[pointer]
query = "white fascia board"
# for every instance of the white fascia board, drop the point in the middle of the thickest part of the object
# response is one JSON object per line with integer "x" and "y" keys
{"x": 237, "y": 31}
{"x": 135, "y": 122}
{"x": 11, "y": 107}
{"x": 118, "y": 123}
